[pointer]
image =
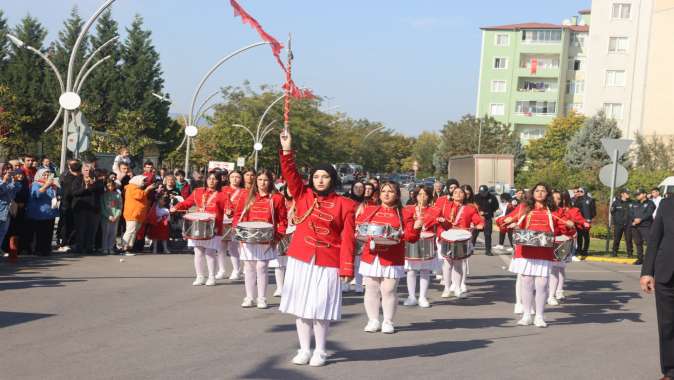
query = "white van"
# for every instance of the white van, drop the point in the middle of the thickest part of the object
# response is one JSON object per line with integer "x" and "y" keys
{"x": 667, "y": 186}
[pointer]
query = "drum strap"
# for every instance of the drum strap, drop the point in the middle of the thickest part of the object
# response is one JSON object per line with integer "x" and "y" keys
{"x": 529, "y": 215}
{"x": 458, "y": 216}
{"x": 205, "y": 202}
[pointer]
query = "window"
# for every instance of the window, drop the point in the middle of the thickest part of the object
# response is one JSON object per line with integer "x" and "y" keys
{"x": 500, "y": 63}
{"x": 613, "y": 110}
{"x": 497, "y": 109}
{"x": 542, "y": 61}
{"x": 537, "y": 85}
{"x": 498, "y": 86}
{"x": 502, "y": 40}
{"x": 617, "y": 44}
{"x": 575, "y": 107}
{"x": 531, "y": 133}
{"x": 575, "y": 86}
{"x": 576, "y": 64}
{"x": 621, "y": 11}
{"x": 545, "y": 36}
{"x": 615, "y": 78}
{"x": 533, "y": 107}
{"x": 578, "y": 39}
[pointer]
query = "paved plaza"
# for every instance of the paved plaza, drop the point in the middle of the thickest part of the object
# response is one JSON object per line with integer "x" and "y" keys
{"x": 101, "y": 318}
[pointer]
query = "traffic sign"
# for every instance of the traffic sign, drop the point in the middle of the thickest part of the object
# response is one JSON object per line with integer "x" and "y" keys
{"x": 611, "y": 145}
{"x": 606, "y": 173}
{"x": 77, "y": 143}
{"x": 241, "y": 162}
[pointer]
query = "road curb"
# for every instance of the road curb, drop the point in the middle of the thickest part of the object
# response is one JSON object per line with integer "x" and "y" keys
{"x": 614, "y": 260}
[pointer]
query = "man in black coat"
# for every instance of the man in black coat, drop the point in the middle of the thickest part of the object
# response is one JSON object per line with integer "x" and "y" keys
{"x": 641, "y": 213}
{"x": 620, "y": 216}
{"x": 588, "y": 209}
{"x": 656, "y": 274}
{"x": 65, "y": 230}
{"x": 488, "y": 204}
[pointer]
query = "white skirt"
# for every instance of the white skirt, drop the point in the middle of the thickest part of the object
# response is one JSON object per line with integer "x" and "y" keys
{"x": 530, "y": 267}
{"x": 215, "y": 243}
{"x": 381, "y": 271}
{"x": 232, "y": 248}
{"x": 431, "y": 264}
{"x": 279, "y": 262}
{"x": 256, "y": 252}
{"x": 311, "y": 291}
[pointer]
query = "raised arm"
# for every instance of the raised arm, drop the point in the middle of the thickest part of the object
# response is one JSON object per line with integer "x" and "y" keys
{"x": 289, "y": 168}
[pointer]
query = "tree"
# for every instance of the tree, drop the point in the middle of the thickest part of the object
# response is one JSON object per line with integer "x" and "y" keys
{"x": 3, "y": 43}
{"x": 423, "y": 151}
{"x": 141, "y": 76}
{"x": 653, "y": 153}
{"x": 12, "y": 138}
{"x": 585, "y": 150}
{"x": 130, "y": 130}
{"x": 63, "y": 47}
{"x": 100, "y": 91}
{"x": 25, "y": 74}
{"x": 552, "y": 146}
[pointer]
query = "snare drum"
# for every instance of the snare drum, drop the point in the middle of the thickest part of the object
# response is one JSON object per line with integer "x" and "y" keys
{"x": 285, "y": 241}
{"x": 227, "y": 230}
{"x": 531, "y": 238}
{"x": 563, "y": 248}
{"x": 380, "y": 234}
{"x": 456, "y": 244}
{"x": 254, "y": 232}
{"x": 198, "y": 226}
{"x": 423, "y": 249}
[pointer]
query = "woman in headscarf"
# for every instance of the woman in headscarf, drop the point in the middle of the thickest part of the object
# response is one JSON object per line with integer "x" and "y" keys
{"x": 320, "y": 253}
{"x": 8, "y": 190}
{"x": 136, "y": 205}
{"x": 357, "y": 192}
{"x": 43, "y": 209}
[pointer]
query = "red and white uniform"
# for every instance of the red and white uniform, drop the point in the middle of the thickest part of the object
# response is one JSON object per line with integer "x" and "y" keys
{"x": 321, "y": 249}
{"x": 456, "y": 215}
{"x": 424, "y": 213}
{"x": 269, "y": 209}
{"x": 209, "y": 201}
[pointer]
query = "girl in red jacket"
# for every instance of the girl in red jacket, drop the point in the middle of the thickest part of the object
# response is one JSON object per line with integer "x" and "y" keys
{"x": 538, "y": 213}
{"x": 382, "y": 265}
{"x": 262, "y": 204}
{"x": 232, "y": 192}
{"x": 320, "y": 253}
{"x": 558, "y": 272}
{"x": 207, "y": 199}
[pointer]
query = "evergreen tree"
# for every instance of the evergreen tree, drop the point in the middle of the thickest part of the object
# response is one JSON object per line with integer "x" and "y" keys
{"x": 585, "y": 150}
{"x": 26, "y": 75}
{"x": 3, "y": 43}
{"x": 99, "y": 92}
{"x": 63, "y": 47}
{"x": 141, "y": 76}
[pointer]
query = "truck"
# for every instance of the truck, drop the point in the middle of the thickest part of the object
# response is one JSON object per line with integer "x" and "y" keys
{"x": 494, "y": 170}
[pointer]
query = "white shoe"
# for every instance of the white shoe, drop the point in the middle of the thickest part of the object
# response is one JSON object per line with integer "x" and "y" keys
{"x": 423, "y": 302}
{"x": 234, "y": 276}
{"x": 318, "y": 359}
{"x": 359, "y": 289}
{"x": 302, "y": 357}
{"x": 210, "y": 281}
{"x": 575, "y": 258}
{"x": 220, "y": 275}
{"x": 200, "y": 280}
{"x": 464, "y": 289}
{"x": 372, "y": 326}
{"x": 247, "y": 302}
{"x": 438, "y": 277}
{"x": 560, "y": 295}
{"x": 129, "y": 254}
{"x": 410, "y": 301}
{"x": 552, "y": 301}
{"x": 387, "y": 327}
{"x": 262, "y": 303}
{"x": 277, "y": 293}
{"x": 509, "y": 249}
{"x": 519, "y": 309}
{"x": 540, "y": 322}
{"x": 499, "y": 247}
{"x": 460, "y": 294}
{"x": 446, "y": 293}
{"x": 525, "y": 321}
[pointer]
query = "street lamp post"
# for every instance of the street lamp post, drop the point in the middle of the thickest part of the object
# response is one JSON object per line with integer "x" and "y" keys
{"x": 260, "y": 132}
{"x": 69, "y": 100}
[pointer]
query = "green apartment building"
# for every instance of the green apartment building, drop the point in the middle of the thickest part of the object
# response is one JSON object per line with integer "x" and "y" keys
{"x": 532, "y": 72}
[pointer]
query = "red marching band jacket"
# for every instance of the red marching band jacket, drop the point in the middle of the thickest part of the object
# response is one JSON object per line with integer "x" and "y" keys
{"x": 232, "y": 196}
{"x": 449, "y": 210}
{"x": 324, "y": 224}
{"x": 389, "y": 255}
{"x": 208, "y": 201}
{"x": 536, "y": 220}
{"x": 573, "y": 214}
{"x": 426, "y": 214}
{"x": 270, "y": 209}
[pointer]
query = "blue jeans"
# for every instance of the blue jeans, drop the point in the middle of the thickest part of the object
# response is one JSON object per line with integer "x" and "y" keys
{"x": 4, "y": 226}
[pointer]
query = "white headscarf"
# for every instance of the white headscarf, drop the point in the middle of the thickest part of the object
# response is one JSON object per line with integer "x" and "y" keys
{"x": 138, "y": 180}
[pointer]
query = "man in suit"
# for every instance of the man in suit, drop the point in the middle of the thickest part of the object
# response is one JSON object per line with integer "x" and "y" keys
{"x": 656, "y": 275}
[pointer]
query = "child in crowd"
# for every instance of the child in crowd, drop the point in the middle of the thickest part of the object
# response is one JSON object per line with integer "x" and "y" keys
{"x": 158, "y": 224}
{"x": 111, "y": 211}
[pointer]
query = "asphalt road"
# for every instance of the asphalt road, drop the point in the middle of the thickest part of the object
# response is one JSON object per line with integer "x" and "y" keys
{"x": 99, "y": 318}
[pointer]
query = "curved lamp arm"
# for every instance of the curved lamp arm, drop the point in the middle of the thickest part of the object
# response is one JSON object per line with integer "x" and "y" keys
{"x": 266, "y": 111}
{"x": 86, "y": 63}
{"x": 84, "y": 77}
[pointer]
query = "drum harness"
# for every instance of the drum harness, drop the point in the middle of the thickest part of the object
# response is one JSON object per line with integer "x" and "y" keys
{"x": 369, "y": 219}
{"x": 528, "y": 216}
{"x": 273, "y": 219}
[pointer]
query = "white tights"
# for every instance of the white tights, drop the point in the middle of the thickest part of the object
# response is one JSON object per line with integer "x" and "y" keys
{"x": 557, "y": 277}
{"x": 202, "y": 254}
{"x": 358, "y": 278}
{"x": 381, "y": 291}
{"x": 233, "y": 249}
{"x": 255, "y": 272}
{"x": 534, "y": 292}
{"x": 279, "y": 274}
{"x": 320, "y": 331}
{"x": 458, "y": 269}
{"x": 424, "y": 280}
{"x": 222, "y": 268}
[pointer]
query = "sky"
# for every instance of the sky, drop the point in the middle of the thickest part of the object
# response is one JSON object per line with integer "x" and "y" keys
{"x": 410, "y": 64}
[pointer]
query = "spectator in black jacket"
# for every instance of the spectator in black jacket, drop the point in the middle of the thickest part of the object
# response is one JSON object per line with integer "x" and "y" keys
{"x": 641, "y": 214}
{"x": 620, "y": 216}
{"x": 588, "y": 209}
{"x": 86, "y": 193}
{"x": 65, "y": 230}
{"x": 488, "y": 204}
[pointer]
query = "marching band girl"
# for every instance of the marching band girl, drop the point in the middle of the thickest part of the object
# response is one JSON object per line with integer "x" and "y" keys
{"x": 369, "y": 194}
{"x": 207, "y": 199}
{"x": 419, "y": 210}
{"x": 280, "y": 262}
{"x": 457, "y": 214}
{"x": 262, "y": 204}
{"x": 534, "y": 263}
{"x": 320, "y": 252}
{"x": 383, "y": 265}
{"x": 232, "y": 193}
{"x": 558, "y": 273}
{"x": 249, "y": 178}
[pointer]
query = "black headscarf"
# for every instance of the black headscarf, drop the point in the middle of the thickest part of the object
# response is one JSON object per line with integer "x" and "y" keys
{"x": 335, "y": 182}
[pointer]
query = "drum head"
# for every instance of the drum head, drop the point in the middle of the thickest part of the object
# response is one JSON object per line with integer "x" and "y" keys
{"x": 255, "y": 225}
{"x": 456, "y": 234}
{"x": 561, "y": 238}
{"x": 199, "y": 216}
{"x": 382, "y": 241}
{"x": 426, "y": 235}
